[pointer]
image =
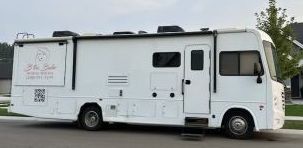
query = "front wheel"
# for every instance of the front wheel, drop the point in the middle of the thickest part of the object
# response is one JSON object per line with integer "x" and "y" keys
{"x": 239, "y": 126}
{"x": 91, "y": 118}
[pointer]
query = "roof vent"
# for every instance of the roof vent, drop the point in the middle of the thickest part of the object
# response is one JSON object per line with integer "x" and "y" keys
{"x": 123, "y": 32}
{"x": 204, "y": 29}
{"x": 162, "y": 29}
{"x": 64, "y": 33}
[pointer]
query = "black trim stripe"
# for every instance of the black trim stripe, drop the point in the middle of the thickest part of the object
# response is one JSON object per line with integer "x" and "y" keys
{"x": 74, "y": 63}
{"x": 215, "y": 33}
{"x": 39, "y": 41}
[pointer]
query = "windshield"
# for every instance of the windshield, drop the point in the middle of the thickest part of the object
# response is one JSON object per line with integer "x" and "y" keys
{"x": 271, "y": 57}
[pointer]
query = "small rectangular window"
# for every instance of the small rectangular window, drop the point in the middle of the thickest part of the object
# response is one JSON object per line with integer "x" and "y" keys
{"x": 238, "y": 63}
{"x": 166, "y": 59}
{"x": 197, "y": 59}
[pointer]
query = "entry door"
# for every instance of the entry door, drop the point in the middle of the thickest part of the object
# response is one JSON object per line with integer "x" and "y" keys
{"x": 196, "y": 79}
{"x": 295, "y": 87}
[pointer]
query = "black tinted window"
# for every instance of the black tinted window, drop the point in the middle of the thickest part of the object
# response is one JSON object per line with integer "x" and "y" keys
{"x": 229, "y": 64}
{"x": 197, "y": 59}
{"x": 238, "y": 63}
{"x": 166, "y": 59}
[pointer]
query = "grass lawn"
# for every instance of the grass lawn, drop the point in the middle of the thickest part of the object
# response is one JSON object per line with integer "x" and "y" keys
{"x": 3, "y": 112}
{"x": 294, "y": 110}
{"x": 293, "y": 125}
{"x": 3, "y": 105}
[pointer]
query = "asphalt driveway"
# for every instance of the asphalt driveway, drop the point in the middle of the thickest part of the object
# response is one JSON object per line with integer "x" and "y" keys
{"x": 53, "y": 134}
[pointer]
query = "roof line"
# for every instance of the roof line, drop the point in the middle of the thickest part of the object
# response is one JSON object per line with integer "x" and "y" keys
{"x": 298, "y": 43}
{"x": 122, "y": 36}
{"x": 145, "y": 35}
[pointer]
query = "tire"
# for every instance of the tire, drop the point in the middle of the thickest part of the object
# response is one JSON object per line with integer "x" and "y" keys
{"x": 77, "y": 124}
{"x": 239, "y": 125}
{"x": 91, "y": 118}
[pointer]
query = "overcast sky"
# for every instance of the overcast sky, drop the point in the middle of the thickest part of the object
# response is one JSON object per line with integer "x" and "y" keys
{"x": 42, "y": 17}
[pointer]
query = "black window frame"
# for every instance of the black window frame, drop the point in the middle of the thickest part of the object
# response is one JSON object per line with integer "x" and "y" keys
{"x": 178, "y": 65}
{"x": 239, "y": 52}
{"x": 191, "y": 60}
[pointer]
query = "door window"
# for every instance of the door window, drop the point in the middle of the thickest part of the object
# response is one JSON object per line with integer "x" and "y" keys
{"x": 197, "y": 59}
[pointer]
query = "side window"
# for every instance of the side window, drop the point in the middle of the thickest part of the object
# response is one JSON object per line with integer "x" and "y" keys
{"x": 166, "y": 59}
{"x": 229, "y": 63}
{"x": 238, "y": 63}
{"x": 197, "y": 59}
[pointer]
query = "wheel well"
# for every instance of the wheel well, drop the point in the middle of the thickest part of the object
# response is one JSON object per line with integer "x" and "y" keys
{"x": 236, "y": 111}
{"x": 88, "y": 105}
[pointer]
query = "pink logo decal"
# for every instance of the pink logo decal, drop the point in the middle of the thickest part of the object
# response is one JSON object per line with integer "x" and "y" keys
{"x": 41, "y": 69}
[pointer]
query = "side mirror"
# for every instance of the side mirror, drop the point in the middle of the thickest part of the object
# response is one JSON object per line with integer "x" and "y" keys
{"x": 258, "y": 72}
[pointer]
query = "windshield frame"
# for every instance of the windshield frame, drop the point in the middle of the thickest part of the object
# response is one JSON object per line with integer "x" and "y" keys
{"x": 272, "y": 60}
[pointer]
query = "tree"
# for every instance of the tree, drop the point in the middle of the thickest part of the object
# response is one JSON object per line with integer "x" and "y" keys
{"x": 275, "y": 22}
{"x": 6, "y": 52}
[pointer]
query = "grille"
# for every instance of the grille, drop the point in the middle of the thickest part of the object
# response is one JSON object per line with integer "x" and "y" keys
{"x": 117, "y": 80}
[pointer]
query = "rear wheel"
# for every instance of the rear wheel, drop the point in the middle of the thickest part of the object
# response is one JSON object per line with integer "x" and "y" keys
{"x": 239, "y": 126}
{"x": 91, "y": 118}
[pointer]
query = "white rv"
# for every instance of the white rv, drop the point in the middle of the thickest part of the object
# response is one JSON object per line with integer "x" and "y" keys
{"x": 212, "y": 79}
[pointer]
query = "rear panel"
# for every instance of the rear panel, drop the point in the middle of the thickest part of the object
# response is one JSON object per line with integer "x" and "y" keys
{"x": 39, "y": 68}
{"x": 40, "y": 64}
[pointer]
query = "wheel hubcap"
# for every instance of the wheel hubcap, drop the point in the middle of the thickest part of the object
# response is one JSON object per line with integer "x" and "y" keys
{"x": 238, "y": 125}
{"x": 91, "y": 119}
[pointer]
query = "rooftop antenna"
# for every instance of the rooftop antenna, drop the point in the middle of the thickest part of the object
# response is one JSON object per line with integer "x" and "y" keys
{"x": 24, "y": 35}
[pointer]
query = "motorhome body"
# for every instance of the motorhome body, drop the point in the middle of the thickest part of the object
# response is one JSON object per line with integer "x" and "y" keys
{"x": 204, "y": 78}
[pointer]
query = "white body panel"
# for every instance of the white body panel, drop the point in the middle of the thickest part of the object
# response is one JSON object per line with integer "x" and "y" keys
{"x": 118, "y": 75}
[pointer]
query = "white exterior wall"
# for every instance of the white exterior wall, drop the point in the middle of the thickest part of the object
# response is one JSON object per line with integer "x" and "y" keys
{"x": 239, "y": 91}
{"x": 131, "y": 58}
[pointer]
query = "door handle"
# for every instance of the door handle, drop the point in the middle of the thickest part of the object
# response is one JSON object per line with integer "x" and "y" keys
{"x": 187, "y": 82}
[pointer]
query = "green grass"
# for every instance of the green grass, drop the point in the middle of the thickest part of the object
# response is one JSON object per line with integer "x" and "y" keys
{"x": 293, "y": 125}
{"x": 3, "y": 112}
{"x": 294, "y": 110}
{"x": 3, "y": 105}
